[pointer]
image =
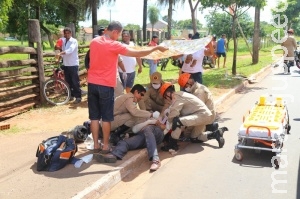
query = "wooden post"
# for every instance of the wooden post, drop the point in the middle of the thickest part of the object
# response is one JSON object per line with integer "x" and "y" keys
{"x": 34, "y": 35}
{"x": 72, "y": 26}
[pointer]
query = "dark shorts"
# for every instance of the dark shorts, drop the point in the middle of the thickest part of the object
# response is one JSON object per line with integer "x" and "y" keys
{"x": 129, "y": 80}
{"x": 221, "y": 54}
{"x": 101, "y": 102}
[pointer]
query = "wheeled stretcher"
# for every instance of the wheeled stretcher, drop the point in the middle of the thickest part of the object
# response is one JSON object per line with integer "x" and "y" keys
{"x": 264, "y": 128}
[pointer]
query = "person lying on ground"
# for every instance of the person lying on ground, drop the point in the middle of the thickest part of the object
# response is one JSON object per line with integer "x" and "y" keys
{"x": 148, "y": 135}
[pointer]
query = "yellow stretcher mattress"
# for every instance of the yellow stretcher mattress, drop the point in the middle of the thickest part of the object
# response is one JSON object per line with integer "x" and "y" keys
{"x": 265, "y": 121}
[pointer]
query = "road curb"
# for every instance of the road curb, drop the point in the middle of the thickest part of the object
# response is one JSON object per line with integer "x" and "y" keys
{"x": 102, "y": 185}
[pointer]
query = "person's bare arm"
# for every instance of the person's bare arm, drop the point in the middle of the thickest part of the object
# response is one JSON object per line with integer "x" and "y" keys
{"x": 121, "y": 65}
{"x": 139, "y": 62}
{"x": 141, "y": 53}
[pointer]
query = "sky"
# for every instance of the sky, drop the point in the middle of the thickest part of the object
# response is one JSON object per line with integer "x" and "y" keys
{"x": 131, "y": 11}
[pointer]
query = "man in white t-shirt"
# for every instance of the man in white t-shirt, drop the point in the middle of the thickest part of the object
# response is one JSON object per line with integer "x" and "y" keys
{"x": 193, "y": 65}
{"x": 129, "y": 64}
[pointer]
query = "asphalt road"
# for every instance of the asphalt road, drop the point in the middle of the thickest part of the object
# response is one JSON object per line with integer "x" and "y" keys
{"x": 205, "y": 171}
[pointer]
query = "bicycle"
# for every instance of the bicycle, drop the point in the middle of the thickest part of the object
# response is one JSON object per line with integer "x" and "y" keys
{"x": 56, "y": 90}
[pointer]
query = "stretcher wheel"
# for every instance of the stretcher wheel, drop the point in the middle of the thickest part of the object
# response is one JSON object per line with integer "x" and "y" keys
{"x": 288, "y": 129}
{"x": 276, "y": 162}
{"x": 238, "y": 155}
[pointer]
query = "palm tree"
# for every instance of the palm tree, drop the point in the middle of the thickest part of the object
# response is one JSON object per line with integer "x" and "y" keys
{"x": 153, "y": 14}
{"x": 170, "y": 3}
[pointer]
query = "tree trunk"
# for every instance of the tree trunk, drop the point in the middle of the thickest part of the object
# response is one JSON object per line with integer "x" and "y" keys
{"x": 94, "y": 16}
{"x": 256, "y": 38}
{"x": 170, "y": 11}
{"x": 145, "y": 20}
{"x": 193, "y": 16}
{"x": 48, "y": 32}
{"x": 234, "y": 45}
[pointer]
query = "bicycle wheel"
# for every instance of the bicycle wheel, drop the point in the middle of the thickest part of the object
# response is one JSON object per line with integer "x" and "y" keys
{"x": 145, "y": 63}
{"x": 56, "y": 91}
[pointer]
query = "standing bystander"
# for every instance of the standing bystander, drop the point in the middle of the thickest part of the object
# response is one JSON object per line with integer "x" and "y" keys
{"x": 153, "y": 63}
{"x": 102, "y": 80}
{"x": 289, "y": 46}
{"x": 71, "y": 64}
{"x": 129, "y": 63}
{"x": 221, "y": 49}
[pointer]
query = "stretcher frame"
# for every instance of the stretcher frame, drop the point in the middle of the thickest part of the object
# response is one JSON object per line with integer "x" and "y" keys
{"x": 269, "y": 143}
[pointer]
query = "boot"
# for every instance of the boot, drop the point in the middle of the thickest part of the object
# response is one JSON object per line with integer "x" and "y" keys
{"x": 218, "y": 135}
{"x": 212, "y": 127}
{"x": 116, "y": 134}
{"x": 171, "y": 144}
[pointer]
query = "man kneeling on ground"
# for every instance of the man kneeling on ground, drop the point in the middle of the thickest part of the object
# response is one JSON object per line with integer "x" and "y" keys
{"x": 189, "y": 112}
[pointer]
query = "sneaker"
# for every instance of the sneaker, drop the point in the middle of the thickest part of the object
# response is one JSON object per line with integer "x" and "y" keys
{"x": 155, "y": 165}
{"x": 71, "y": 99}
{"x": 77, "y": 101}
{"x": 288, "y": 73}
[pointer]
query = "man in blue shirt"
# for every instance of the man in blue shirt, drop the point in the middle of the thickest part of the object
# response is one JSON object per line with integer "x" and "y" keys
{"x": 221, "y": 49}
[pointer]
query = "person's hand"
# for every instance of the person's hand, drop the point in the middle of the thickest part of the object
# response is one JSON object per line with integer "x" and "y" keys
{"x": 140, "y": 69}
{"x": 155, "y": 114}
{"x": 124, "y": 76}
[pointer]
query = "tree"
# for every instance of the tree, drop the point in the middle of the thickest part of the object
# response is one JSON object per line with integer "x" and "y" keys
{"x": 103, "y": 22}
{"x": 91, "y": 7}
{"x": 193, "y": 10}
{"x": 145, "y": 9}
{"x": 153, "y": 14}
{"x": 188, "y": 24}
{"x": 235, "y": 8}
{"x": 5, "y": 6}
{"x": 132, "y": 27}
{"x": 288, "y": 12}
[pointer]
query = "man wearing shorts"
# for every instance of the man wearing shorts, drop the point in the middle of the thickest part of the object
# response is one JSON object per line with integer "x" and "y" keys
{"x": 102, "y": 80}
{"x": 129, "y": 63}
{"x": 221, "y": 45}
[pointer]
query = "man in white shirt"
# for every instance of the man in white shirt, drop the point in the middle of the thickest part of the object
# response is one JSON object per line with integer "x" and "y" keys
{"x": 129, "y": 64}
{"x": 71, "y": 64}
{"x": 193, "y": 65}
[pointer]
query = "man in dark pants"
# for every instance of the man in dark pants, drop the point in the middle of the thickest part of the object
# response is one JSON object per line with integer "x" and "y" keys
{"x": 148, "y": 137}
{"x": 71, "y": 64}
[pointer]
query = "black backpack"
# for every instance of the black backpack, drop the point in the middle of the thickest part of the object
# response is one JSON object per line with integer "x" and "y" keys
{"x": 87, "y": 60}
{"x": 55, "y": 153}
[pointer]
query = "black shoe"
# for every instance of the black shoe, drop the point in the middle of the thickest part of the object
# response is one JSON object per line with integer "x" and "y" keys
{"x": 77, "y": 101}
{"x": 195, "y": 140}
{"x": 105, "y": 158}
{"x": 219, "y": 136}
